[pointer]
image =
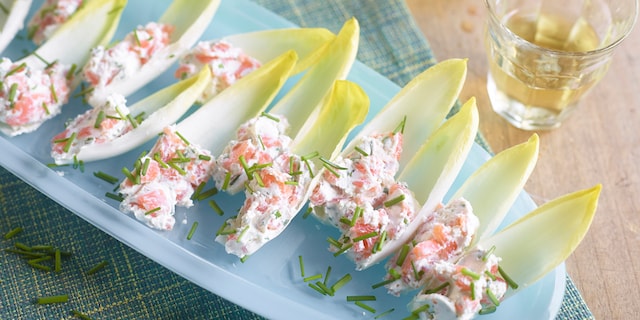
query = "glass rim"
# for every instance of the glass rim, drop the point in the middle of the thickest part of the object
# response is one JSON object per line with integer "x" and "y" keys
{"x": 601, "y": 50}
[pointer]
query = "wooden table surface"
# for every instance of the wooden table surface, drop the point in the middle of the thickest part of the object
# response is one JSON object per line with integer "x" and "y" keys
{"x": 600, "y": 143}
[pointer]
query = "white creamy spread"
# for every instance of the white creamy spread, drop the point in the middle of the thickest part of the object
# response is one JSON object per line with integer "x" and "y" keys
{"x": 29, "y": 96}
{"x": 274, "y": 188}
{"x": 124, "y": 59}
{"x": 97, "y": 125}
{"x": 49, "y": 17}
{"x": 365, "y": 186}
{"x": 226, "y": 62}
{"x": 168, "y": 176}
{"x": 442, "y": 238}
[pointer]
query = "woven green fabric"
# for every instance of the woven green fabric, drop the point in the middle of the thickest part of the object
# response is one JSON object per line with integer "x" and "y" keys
{"x": 134, "y": 287}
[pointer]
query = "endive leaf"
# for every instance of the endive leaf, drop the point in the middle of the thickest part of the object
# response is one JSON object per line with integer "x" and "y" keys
{"x": 538, "y": 242}
{"x": 432, "y": 170}
{"x": 12, "y": 21}
{"x": 214, "y": 124}
{"x": 162, "y": 108}
{"x": 334, "y": 63}
{"x": 189, "y": 19}
{"x": 493, "y": 188}
{"x": 424, "y": 101}
{"x": 94, "y": 23}
{"x": 265, "y": 45}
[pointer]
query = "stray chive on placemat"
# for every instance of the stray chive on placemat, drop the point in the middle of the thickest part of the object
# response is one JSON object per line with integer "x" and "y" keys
{"x": 91, "y": 274}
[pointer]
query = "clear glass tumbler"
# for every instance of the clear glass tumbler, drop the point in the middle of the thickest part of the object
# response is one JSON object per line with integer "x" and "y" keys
{"x": 545, "y": 55}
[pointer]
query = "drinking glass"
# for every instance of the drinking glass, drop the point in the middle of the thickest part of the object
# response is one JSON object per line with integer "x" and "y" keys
{"x": 545, "y": 55}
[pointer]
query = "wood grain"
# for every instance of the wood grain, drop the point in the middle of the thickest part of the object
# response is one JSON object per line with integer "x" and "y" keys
{"x": 600, "y": 143}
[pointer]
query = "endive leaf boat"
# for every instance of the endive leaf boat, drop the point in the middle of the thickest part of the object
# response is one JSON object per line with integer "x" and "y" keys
{"x": 272, "y": 157}
{"x": 362, "y": 197}
{"x": 181, "y": 158}
{"x": 112, "y": 128}
{"x": 147, "y": 51}
{"x": 36, "y": 87}
{"x": 12, "y": 16}
{"x": 528, "y": 248}
{"x": 49, "y": 17}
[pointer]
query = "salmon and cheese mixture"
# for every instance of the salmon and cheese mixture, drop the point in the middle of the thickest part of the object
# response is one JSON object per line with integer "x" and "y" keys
{"x": 100, "y": 124}
{"x": 29, "y": 95}
{"x": 226, "y": 62}
{"x": 275, "y": 182}
{"x": 49, "y": 17}
{"x": 165, "y": 178}
{"x": 361, "y": 197}
{"x": 124, "y": 59}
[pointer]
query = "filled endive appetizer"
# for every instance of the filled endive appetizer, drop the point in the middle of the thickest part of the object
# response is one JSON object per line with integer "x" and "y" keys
{"x": 12, "y": 16}
{"x": 504, "y": 263}
{"x": 49, "y": 17}
{"x": 147, "y": 51}
{"x": 181, "y": 159}
{"x": 113, "y": 128}
{"x": 36, "y": 87}
{"x": 363, "y": 196}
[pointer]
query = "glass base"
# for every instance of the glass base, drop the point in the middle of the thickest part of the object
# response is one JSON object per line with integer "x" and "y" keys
{"x": 522, "y": 116}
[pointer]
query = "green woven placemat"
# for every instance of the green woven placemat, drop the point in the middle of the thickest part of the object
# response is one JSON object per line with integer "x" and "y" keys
{"x": 134, "y": 287}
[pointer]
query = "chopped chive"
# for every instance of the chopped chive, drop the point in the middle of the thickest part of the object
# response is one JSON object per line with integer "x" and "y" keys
{"x": 84, "y": 92}
{"x": 244, "y": 258}
{"x": 341, "y": 282}
{"x": 114, "y": 196}
{"x": 152, "y": 211}
{"x": 380, "y": 242}
{"x": 54, "y": 95}
{"x": 182, "y": 138}
{"x": 346, "y": 221}
{"x": 135, "y": 36}
{"x": 22, "y": 246}
{"x": 12, "y": 233}
{"x": 267, "y": 115}
{"x": 145, "y": 166}
{"x": 207, "y": 194}
{"x": 364, "y": 306}
{"x": 156, "y": 157}
{"x": 365, "y": 236}
{"x": 245, "y": 166}
{"x": 26, "y": 254}
{"x": 46, "y": 109}
{"x": 307, "y": 213}
{"x": 316, "y": 288}
{"x": 332, "y": 164}
{"x": 41, "y": 247}
{"x": 386, "y": 313}
{"x": 39, "y": 266}
{"x": 261, "y": 142}
{"x": 394, "y": 274}
{"x": 301, "y": 263}
{"x": 227, "y": 180}
{"x": 492, "y": 297}
{"x": 472, "y": 288}
{"x": 382, "y": 283}
{"x": 400, "y": 127}
{"x": 436, "y": 289}
{"x": 204, "y": 157}
{"x": 470, "y": 273}
{"x": 326, "y": 275}
{"x": 508, "y": 279}
{"x": 313, "y": 277}
{"x": 57, "y": 266}
{"x": 308, "y": 165}
{"x": 244, "y": 230}
{"x": 71, "y": 71}
{"x": 356, "y": 215}
{"x": 133, "y": 121}
{"x": 394, "y": 201}
{"x": 326, "y": 289}
{"x": 403, "y": 255}
{"x": 361, "y": 298}
{"x": 343, "y": 249}
{"x": 248, "y": 187}
{"x": 174, "y": 166}
{"x": 129, "y": 175}
{"x": 16, "y": 69}
{"x": 291, "y": 183}
{"x": 334, "y": 242}
{"x": 310, "y": 156}
{"x": 258, "y": 178}
{"x": 106, "y": 177}
{"x": 362, "y": 152}
{"x": 197, "y": 191}
{"x": 12, "y": 92}
{"x": 40, "y": 259}
{"x": 213, "y": 204}
{"x": 80, "y": 315}
{"x": 53, "y": 299}
{"x": 98, "y": 267}
{"x": 490, "y": 275}
{"x": 194, "y": 226}
{"x": 488, "y": 253}
{"x": 330, "y": 169}
{"x": 487, "y": 310}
